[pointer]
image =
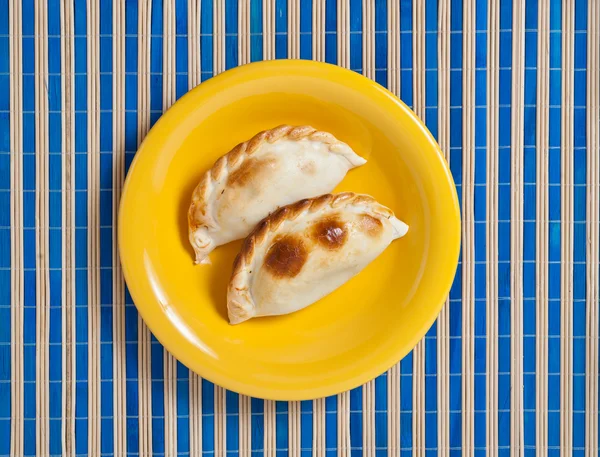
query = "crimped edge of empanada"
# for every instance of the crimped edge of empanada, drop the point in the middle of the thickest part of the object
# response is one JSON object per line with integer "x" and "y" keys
{"x": 240, "y": 304}
{"x": 200, "y": 220}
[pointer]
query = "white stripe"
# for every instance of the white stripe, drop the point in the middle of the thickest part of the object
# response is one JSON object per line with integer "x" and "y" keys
{"x": 393, "y": 394}
{"x": 42, "y": 423}
{"x": 268, "y": 29}
{"x": 169, "y": 97}
{"x": 368, "y": 42}
{"x": 492, "y": 229}
{"x": 244, "y": 32}
{"x": 293, "y": 29}
{"x": 93, "y": 117}
{"x": 294, "y": 421}
{"x": 343, "y": 424}
{"x": 219, "y": 66}
{"x": 144, "y": 345}
{"x": 318, "y": 53}
{"x": 343, "y": 33}
{"x": 566, "y": 269}
{"x": 318, "y": 444}
{"x": 16, "y": 230}
{"x": 468, "y": 229}
{"x": 593, "y": 228}
{"x": 443, "y": 339}
{"x": 368, "y": 426}
{"x": 368, "y": 69}
{"x": 194, "y": 72}
{"x": 245, "y": 426}
{"x": 318, "y": 28}
{"x": 542, "y": 229}
{"x": 195, "y": 414}
{"x": 219, "y": 37}
{"x": 343, "y": 52}
{"x": 393, "y": 375}
{"x": 516, "y": 239}
{"x": 194, "y": 58}
{"x": 220, "y": 421}
{"x": 68, "y": 229}
{"x": 270, "y": 429}
{"x": 119, "y": 365}
{"x": 393, "y": 27}
{"x": 418, "y": 424}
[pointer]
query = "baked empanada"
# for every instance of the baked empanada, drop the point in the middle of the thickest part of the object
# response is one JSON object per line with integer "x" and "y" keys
{"x": 275, "y": 168}
{"x": 306, "y": 250}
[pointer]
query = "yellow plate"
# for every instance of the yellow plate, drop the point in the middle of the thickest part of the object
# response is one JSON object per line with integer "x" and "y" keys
{"x": 350, "y": 336}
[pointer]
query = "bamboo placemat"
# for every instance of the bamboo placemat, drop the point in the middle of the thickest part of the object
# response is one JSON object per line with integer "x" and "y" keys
{"x": 511, "y": 90}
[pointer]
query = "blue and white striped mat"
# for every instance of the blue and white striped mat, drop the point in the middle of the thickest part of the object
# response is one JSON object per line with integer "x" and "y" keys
{"x": 510, "y": 89}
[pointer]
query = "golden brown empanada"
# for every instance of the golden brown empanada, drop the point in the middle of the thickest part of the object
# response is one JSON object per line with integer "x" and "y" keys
{"x": 306, "y": 250}
{"x": 275, "y": 168}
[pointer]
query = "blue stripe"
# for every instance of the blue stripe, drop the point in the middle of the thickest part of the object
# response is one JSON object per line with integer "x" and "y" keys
{"x": 406, "y": 94}
{"x": 81, "y": 235}
{"x": 106, "y": 222}
{"x": 331, "y": 31}
{"x": 256, "y": 29}
{"x": 381, "y": 42}
{"x": 306, "y": 12}
{"x": 381, "y": 398}
{"x": 131, "y": 315}
{"x": 529, "y": 229}
{"x": 206, "y": 39}
{"x": 455, "y": 308}
{"x": 156, "y": 108}
{"x": 5, "y": 239}
{"x": 480, "y": 206}
{"x": 208, "y": 417}
{"x": 331, "y": 417}
{"x": 554, "y": 308}
{"x": 55, "y": 231}
{"x": 183, "y": 410}
{"x": 232, "y": 404}
{"x": 181, "y": 48}
{"x": 306, "y": 427}
{"x": 257, "y": 426}
{"x": 504, "y": 208}
{"x": 381, "y": 416}
{"x": 579, "y": 231}
{"x": 231, "y": 34}
{"x": 29, "y": 238}
{"x": 356, "y": 31}
{"x": 431, "y": 120}
{"x": 281, "y": 29}
{"x": 182, "y": 81}
{"x": 281, "y": 428}
{"x": 356, "y": 422}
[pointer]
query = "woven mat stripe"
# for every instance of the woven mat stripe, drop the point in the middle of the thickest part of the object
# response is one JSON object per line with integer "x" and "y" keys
{"x": 579, "y": 233}
{"x": 17, "y": 296}
{"x": 593, "y": 229}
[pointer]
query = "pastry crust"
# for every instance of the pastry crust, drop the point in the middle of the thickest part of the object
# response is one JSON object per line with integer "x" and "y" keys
{"x": 240, "y": 304}
{"x": 201, "y": 220}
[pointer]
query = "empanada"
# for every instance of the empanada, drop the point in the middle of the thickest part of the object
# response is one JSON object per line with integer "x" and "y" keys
{"x": 273, "y": 169}
{"x": 306, "y": 250}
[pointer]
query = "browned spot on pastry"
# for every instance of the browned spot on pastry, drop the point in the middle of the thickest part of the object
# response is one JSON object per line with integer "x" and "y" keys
{"x": 329, "y": 232}
{"x": 370, "y": 225}
{"x": 308, "y": 167}
{"x": 248, "y": 171}
{"x": 286, "y": 256}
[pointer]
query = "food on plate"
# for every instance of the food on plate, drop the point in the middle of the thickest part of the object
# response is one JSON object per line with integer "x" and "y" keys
{"x": 274, "y": 168}
{"x": 306, "y": 250}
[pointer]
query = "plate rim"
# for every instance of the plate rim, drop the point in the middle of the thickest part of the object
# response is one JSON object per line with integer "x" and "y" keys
{"x": 259, "y": 391}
